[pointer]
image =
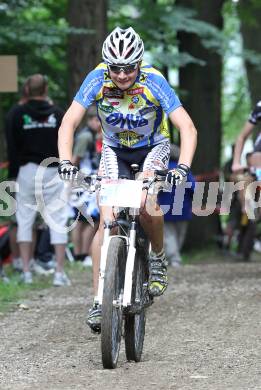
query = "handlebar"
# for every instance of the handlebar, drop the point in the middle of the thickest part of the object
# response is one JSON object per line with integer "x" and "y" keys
{"x": 94, "y": 180}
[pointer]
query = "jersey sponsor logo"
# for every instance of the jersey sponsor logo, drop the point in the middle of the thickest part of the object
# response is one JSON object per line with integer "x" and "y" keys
{"x": 135, "y": 99}
{"x": 143, "y": 77}
{"x": 131, "y": 106}
{"x": 147, "y": 110}
{"x": 129, "y": 120}
{"x": 136, "y": 91}
{"x": 129, "y": 138}
{"x": 105, "y": 108}
{"x": 113, "y": 93}
{"x": 106, "y": 76}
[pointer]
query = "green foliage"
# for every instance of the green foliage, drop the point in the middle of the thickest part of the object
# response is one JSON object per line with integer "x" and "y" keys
{"x": 236, "y": 100}
{"x": 159, "y": 29}
{"x": 36, "y": 31}
{"x": 247, "y": 11}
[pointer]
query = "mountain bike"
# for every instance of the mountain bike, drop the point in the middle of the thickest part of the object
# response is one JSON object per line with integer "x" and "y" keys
{"x": 124, "y": 266}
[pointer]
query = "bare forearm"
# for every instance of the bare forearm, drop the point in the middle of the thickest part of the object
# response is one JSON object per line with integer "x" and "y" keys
{"x": 188, "y": 135}
{"x": 238, "y": 149}
{"x": 65, "y": 142}
{"x": 188, "y": 145}
{"x": 71, "y": 121}
{"x": 245, "y": 133}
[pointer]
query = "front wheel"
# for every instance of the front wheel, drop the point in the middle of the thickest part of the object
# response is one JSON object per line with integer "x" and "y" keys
{"x": 111, "y": 323}
{"x": 135, "y": 321}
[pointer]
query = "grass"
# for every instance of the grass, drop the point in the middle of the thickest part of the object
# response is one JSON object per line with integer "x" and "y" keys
{"x": 210, "y": 254}
{"x": 13, "y": 293}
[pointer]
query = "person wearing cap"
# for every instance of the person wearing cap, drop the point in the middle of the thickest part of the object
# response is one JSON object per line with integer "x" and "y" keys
{"x": 247, "y": 130}
{"x": 134, "y": 102}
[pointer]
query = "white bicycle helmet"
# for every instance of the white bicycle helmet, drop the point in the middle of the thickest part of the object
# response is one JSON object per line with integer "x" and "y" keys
{"x": 122, "y": 47}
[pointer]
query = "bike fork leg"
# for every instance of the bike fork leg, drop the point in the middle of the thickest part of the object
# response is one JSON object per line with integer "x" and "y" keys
{"x": 129, "y": 267}
{"x": 104, "y": 251}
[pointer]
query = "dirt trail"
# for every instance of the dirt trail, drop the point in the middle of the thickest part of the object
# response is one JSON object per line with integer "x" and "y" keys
{"x": 204, "y": 333}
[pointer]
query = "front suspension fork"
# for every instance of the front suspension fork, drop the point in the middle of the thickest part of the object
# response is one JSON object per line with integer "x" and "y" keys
{"x": 131, "y": 243}
{"x": 104, "y": 251}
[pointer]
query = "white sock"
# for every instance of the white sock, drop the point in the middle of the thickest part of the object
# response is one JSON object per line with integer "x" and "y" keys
{"x": 159, "y": 254}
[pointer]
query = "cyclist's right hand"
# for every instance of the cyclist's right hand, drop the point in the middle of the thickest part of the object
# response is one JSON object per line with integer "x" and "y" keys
{"x": 67, "y": 171}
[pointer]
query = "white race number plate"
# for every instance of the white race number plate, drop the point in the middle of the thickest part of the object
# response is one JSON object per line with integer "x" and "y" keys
{"x": 124, "y": 193}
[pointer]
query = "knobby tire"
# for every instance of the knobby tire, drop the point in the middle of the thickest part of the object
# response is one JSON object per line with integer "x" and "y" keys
{"x": 111, "y": 324}
{"x": 134, "y": 327}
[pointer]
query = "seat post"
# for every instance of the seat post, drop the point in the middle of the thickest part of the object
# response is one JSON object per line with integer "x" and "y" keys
{"x": 134, "y": 169}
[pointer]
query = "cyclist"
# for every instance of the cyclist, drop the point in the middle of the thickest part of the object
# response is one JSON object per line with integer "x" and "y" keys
{"x": 254, "y": 117}
{"x": 133, "y": 101}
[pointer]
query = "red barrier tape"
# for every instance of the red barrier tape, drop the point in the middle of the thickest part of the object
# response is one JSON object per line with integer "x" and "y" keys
{"x": 209, "y": 176}
{"x": 4, "y": 164}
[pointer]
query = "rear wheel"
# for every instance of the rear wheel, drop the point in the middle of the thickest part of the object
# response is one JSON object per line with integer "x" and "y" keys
{"x": 135, "y": 319}
{"x": 111, "y": 323}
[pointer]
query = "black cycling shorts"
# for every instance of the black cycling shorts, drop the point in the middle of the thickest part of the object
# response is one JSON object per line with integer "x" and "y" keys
{"x": 116, "y": 162}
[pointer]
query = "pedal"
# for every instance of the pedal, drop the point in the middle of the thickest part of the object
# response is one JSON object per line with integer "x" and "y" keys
{"x": 96, "y": 329}
{"x": 148, "y": 299}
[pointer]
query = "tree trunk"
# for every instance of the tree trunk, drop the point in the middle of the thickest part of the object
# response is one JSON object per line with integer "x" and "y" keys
{"x": 202, "y": 85}
{"x": 250, "y": 16}
{"x": 2, "y": 136}
{"x": 84, "y": 49}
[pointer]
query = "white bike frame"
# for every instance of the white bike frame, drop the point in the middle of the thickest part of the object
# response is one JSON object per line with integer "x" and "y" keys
{"x": 131, "y": 245}
{"x": 125, "y": 300}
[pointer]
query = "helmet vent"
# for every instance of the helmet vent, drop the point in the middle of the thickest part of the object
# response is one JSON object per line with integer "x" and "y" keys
{"x": 112, "y": 53}
{"x": 112, "y": 42}
{"x": 132, "y": 40}
{"x": 130, "y": 52}
{"x": 121, "y": 46}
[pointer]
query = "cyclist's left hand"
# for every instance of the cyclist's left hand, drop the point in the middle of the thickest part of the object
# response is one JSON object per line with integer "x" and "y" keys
{"x": 67, "y": 171}
{"x": 178, "y": 175}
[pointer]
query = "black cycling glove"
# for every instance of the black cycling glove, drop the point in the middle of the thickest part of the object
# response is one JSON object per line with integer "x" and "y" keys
{"x": 67, "y": 171}
{"x": 178, "y": 175}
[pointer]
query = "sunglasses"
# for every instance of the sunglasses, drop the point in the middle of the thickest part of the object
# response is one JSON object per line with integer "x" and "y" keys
{"x": 123, "y": 68}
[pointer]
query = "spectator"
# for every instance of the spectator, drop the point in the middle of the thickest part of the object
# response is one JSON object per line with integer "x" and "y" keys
{"x": 254, "y": 117}
{"x": 32, "y": 137}
{"x": 12, "y": 172}
{"x": 234, "y": 217}
{"x": 86, "y": 155}
{"x": 175, "y": 226}
{"x": 88, "y": 143}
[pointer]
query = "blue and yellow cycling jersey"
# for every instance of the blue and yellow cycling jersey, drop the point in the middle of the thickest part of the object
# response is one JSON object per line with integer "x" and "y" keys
{"x": 135, "y": 117}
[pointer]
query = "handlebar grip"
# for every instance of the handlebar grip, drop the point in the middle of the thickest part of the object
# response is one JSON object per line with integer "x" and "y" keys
{"x": 87, "y": 179}
{"x": 161, "y": 172}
